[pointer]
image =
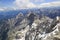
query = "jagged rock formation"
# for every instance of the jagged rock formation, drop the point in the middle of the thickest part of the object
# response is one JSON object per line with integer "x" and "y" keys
{"x": 33, "y": 27}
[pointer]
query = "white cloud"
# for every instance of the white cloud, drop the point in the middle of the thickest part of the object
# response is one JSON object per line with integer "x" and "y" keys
{"x": 29, "y": 4}
{"x": 3, "y": 9}
{"x": 57, "y": 3}
{"x": 6, "y": 8}
{"x": 21, "y": 3}
{"x": 39, "y": 0}
{"x": 26, "y": 3}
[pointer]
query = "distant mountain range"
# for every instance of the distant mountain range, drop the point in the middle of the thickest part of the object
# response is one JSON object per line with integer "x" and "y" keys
{"x": 49, "y": 11}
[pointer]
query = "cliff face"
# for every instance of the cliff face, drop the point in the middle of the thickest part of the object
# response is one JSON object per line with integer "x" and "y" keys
{"x": 33, "y": 27}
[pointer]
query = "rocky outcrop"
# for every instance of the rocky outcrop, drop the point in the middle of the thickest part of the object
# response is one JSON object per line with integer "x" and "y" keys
{"x": 33, "y": 27}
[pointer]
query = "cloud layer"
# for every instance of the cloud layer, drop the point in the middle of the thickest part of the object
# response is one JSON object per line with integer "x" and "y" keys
{"x": 6, "y": 8}
{"x": 24, "y": 4}
{"x": 3, "y": 9}
{"x": 56, "y": 3}
{"x": 29, "y": 4}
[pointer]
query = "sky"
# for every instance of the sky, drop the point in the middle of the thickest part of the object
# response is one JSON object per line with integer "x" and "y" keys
{"x": 28, "y": 3}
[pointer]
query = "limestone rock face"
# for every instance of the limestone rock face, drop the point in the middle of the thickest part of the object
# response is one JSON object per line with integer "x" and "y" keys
{"x": 32, "y": 27}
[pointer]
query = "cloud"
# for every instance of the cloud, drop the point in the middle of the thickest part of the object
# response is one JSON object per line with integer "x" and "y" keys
{"x": 6, "y": 8}
{"x": 50, "y": 4}
{"x": 26, "y": 3}
{"x": 39, "y": 0}
{"x": 29, "y": 4}
{"x": 3, "y": 9}
{"x": 21, "y": 3}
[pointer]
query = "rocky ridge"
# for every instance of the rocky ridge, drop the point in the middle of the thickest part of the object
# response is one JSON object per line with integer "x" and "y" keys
{"x": 32, "y": 27}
